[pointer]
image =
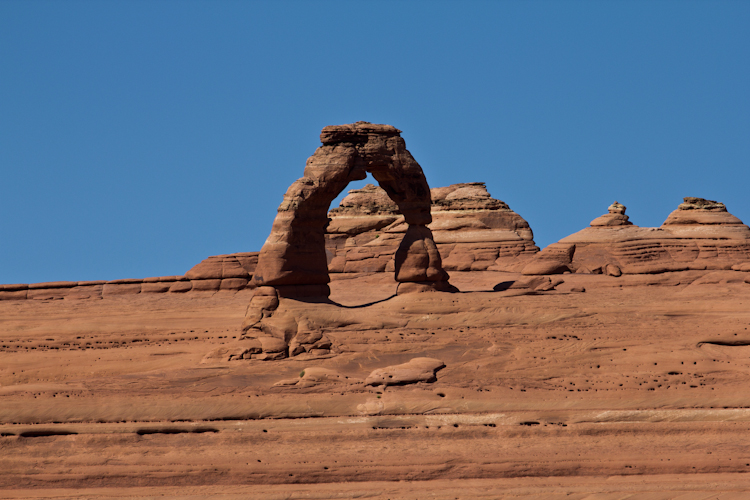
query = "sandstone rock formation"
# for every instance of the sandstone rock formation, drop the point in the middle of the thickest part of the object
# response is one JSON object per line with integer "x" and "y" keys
{"x": 699, "y": 235}
{"x": 315, "y": 375}
{"x": 554, "y": 259}
{"x": 472, "y": 231}
{"x": 294, "y": 254}
{"x": 539, "y": 385}
{"x": 216, "y": 273}
{"x": 477, "y": 232}
{"x": 416, "y": 370}
{"x": 73, "y": 290}
{"x": 293, "y": 261}
{"x": 697, "y": 212}
{"x": 236, "y": 265}
{"x": 538, "y": 390}
{"x": 615, "y": 217}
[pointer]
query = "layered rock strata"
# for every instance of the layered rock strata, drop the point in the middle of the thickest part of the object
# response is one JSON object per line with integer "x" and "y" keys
{"x": 699, "y": 235}
{"x": 293, "y": 262}
{"x": 101, "y": 289}
{"x": 219, "y": 272}
{"x": 472, "y": 231}
{"x": 236, "y": 265}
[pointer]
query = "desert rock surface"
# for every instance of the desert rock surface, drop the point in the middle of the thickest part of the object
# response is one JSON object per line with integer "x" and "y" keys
{"x": 612, "y": 364}
{"x": 542, "y": 391}
{"x": 293, "y": 259}
{"x": 700, "y": 235}
{"x": 472, "y": 231}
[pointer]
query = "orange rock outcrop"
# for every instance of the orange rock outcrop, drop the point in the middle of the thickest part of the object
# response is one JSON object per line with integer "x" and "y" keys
{"x": 699, "y": 235}
{"x": 472, "y": 230}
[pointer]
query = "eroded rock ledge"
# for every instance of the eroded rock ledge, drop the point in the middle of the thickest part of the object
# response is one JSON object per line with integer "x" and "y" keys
{"x": 220, "y": 272}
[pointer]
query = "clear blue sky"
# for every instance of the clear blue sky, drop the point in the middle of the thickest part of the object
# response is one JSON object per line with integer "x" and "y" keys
{"x": 139, "y": 137}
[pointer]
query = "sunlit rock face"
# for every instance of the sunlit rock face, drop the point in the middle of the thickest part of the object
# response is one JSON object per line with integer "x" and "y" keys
{"x": 615, "y": 216}
{"x": 472, "y": 231}
{"x": 701, "y": 234}
{"x": 294, "y": 261}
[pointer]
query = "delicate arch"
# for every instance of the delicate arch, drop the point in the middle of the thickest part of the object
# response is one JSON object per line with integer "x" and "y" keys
{"x": 293, "y": 259}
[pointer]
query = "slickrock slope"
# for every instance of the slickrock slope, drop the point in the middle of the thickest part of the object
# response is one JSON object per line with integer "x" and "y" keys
{"x": 633, "y": 388}
{"x": 206, "y": 278}
{"x": 101, "y": 289}
{"x": 219, "y": 272}
{"x": 699, "y": 235}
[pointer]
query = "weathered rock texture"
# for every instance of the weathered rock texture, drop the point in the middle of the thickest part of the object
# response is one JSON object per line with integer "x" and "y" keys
{"x": 73, "y": 290}
{"x": 295, "y": 253}
{"x": 636, "y": 388}
{"x": 219, "y": 272}
{"x": 699, "y": 235}
{"x": 293, "y": 262}
{"x": 236, "y": 265}
{"x": 472, "y": 231}
{"x": 416, "y": 370}
{"x": 615, "y": 216}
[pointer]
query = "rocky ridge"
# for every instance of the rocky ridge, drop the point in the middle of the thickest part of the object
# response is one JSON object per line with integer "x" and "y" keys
{"x": 472, "y": 231}
{"x": 217, "y": 273}
{"x": 699, "y": 235}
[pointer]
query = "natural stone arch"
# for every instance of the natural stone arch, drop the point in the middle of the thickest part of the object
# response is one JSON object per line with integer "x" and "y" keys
{"x": 293, "y": 259}
{"x": 293, "y": 263}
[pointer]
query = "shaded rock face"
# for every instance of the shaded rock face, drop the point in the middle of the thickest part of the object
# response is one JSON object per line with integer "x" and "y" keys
{"x": 699, "y": 235}
{"x": 471, "y": 230}
{"x": 295, "y": 252}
